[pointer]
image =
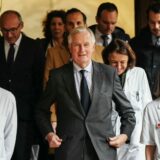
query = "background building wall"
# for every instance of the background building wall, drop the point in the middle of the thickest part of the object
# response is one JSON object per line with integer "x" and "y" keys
{"x": 34, "y": 11}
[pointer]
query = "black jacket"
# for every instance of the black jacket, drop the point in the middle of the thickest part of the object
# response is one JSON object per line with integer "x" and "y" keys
{"x": 148, "y": 55}
{"x": 118, "y": 33}
{"x": 25, "y": 80}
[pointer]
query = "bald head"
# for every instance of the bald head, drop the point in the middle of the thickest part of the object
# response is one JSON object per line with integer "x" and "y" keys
{"x": 11, "y": 25}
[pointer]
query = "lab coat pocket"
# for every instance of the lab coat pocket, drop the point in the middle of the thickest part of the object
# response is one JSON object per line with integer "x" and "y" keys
{"x": 135, "y": 98}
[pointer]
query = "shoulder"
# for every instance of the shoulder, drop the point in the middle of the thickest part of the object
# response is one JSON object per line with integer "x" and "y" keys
{"x": 93, "y": 27}
{"x": 63, "y": 69}
{"x": 137, "y": 70}
{"x": 106, "y": 69}
{"x": 28, "y": 40}
{"x": 152, "y": 108}
{"x": 6, "y": 95}
{"x": 120, "y": 33}
{"x": 142, "y": 35}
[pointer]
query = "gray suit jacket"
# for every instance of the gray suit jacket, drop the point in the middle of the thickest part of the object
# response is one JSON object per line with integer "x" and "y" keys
{"x": 71, "y": 118}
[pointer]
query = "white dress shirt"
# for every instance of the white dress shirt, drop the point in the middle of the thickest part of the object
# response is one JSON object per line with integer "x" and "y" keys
{"x": 99, "y": 40}
{"x": 78, "y": 76}
{"x": 16, "y": 47}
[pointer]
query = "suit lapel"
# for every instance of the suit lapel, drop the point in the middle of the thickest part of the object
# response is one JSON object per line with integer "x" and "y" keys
{"x": 2, "y": 51}
{"x": 68, "y": 78}
{"x": 96, "y": 83}
{"x": 20, "y": 50}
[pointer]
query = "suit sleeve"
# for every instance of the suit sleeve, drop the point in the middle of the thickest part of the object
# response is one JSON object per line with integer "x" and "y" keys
{"x": 42, "y": 112}
{"x": 123, "y": 108}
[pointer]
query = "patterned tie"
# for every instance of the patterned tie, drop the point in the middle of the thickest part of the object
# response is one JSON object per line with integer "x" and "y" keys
{"x": 10, "y": 58}
{"x": 85, "y": 97}
{"x": 105, "y": 40}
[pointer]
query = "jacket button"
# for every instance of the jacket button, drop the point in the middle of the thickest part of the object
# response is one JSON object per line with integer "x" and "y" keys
{"x": 154, "y": 66}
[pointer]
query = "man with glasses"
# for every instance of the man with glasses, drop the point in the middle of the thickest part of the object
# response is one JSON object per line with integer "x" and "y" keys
{"x": 20, "y": 73}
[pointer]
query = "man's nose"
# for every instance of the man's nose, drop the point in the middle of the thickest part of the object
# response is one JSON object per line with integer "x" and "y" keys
{"x": 9, "y": 34}
{"x": 82, "y": 48}
{"x": 75, "y": 25}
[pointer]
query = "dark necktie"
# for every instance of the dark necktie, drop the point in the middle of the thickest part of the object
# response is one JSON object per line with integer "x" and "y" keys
{"x": 10, "y": 58}
{"x": 105, "y": 40}
{"x": 157, "y": 44}
{"x": 85, "y": 97}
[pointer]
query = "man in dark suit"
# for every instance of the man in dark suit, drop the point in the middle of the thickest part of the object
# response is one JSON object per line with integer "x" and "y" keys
{"x": 84, "y": 130}
{"x": 147, "y": 47}
{"x": 20, "y": 73}
{"x": 106, "y": 30}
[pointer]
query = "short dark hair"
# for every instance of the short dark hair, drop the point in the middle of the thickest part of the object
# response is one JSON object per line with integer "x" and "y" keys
{"x": 154, "y": 7}
{"x": 47, "y": 21}
{"x": 106, "y": 6}
{"x": 121, "y": 47}
{"x": 75, "y": 10}
{"x": 11, "y": 12}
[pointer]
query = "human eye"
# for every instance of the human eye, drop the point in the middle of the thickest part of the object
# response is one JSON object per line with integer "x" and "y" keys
{"x": 86, "y": 44}
{"x": 75, "y": 44}
{"x": 113, "y": 63}
{"x": 79, "y": 23}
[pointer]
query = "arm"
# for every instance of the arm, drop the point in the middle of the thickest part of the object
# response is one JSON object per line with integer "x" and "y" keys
{"x": 146, "y": 93}
{"x": 42, "y": 113}
{"x": 53, "y": 116}
{"x": 10, "y": 129}
{"x": 49, "y": 64}
{"x": 150, "y": 150}
{"x": 126, "y": 113}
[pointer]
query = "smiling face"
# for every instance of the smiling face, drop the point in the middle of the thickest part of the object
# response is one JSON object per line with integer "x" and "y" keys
{"x": 11, "y": 27}
{"x": 81, "y": 48}
{"x": 74, "y": 20}
{"x": 119, "y": 61}
{"x": 57, "y": 27}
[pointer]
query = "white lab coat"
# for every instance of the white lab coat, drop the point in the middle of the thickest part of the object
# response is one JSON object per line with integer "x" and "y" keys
{"x": 8, "y": 124}
{"x": 137, "y": 90}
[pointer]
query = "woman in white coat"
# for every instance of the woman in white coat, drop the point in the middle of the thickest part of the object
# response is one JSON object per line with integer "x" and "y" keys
{"x": 135, "y": 85}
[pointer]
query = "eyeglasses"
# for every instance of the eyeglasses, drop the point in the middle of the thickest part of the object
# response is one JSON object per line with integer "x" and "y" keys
{"x": 11, "y": 30}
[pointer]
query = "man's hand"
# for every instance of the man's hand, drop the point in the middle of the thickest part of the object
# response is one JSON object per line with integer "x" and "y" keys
{"x": 117, "y": 141}
{"x": 53, "y": 140}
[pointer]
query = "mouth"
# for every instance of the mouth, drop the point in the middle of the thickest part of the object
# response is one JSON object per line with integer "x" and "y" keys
{"x": 82, "y": 55}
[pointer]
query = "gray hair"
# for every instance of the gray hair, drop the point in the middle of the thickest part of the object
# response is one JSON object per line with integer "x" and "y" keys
{"x": 80, "y": 30}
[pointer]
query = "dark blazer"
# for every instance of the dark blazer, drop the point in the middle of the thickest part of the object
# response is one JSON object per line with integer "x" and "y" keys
{"x": 72, "y": 121}
{"x": 25, "y": 80}
{"x": 117, "y": 33}
{"x": 148, "y": 56}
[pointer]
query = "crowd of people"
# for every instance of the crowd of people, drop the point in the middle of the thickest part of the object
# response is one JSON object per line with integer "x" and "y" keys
{"x": 81, "y": 92}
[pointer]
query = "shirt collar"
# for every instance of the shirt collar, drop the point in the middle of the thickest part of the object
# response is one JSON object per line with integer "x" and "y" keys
{"x": 78, "y": 68}
{"x": 99, "y": 34}
{"x": 17, "y": 43}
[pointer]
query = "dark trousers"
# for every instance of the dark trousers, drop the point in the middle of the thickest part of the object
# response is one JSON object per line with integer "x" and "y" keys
{"x": 28, "y": 135}
{"x": 89, "y": 151}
